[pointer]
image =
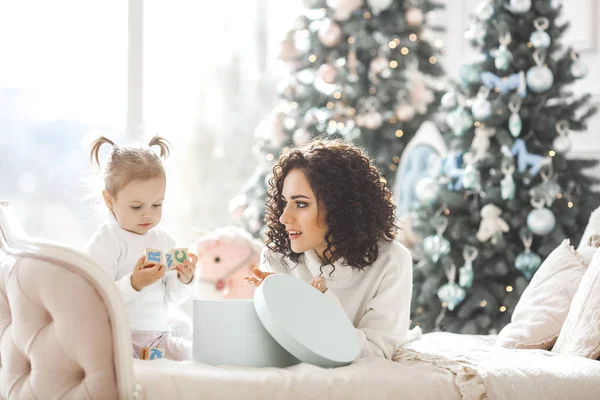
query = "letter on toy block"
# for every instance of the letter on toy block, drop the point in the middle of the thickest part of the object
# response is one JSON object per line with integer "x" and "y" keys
{"x": 180, "y": 255}
{"x": 156, "y": 353}
{"x": 152, "y": 353}
{"x": 169, "y": 258}
{"x": 153, "y": 256}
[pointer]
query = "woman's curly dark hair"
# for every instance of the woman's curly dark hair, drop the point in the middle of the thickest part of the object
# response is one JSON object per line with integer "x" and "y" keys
{"x": 358, "y": 204}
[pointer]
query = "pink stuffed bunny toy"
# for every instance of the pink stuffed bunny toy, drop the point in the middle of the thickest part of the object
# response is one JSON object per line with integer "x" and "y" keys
{"x": 225, "y": 256}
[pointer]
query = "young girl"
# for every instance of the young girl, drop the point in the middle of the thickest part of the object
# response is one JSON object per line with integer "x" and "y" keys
{"x": 330, "y": 222}
{"x": 134, "y": 190}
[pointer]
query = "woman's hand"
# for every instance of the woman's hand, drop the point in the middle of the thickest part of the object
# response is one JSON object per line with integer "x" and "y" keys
{"x": 143, "y": 276}
{"x": 258, "y": 277}
{"x": 319, "y": 283}
{"x": 185, "y": 271}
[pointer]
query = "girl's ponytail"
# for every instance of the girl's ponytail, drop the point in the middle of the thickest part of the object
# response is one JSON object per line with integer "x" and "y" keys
{"x": 95, "y": 148}
{"x": 162, "y": 143}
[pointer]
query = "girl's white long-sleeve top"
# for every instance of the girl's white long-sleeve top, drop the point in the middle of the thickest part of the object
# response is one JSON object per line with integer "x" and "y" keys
{"x": 117, "y": 251}
{"x": 376, "y": 300}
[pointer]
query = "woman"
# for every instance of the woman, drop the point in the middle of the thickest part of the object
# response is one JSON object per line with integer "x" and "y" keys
{"x": 330, "y": 222}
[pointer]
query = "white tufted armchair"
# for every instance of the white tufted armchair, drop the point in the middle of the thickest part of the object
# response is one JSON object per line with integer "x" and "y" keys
{"x": 63, "y": 327}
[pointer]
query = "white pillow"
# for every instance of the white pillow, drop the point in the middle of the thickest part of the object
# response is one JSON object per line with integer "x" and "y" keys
{"x": 591, "y": 238}
{"x": 544, "y": 305}
{"x": 580, "y": 334}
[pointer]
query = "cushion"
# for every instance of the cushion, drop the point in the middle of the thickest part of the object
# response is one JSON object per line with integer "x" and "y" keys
{"x": 591, "y": 238}
{"x": 544, "y": 305}
{"x": 580, "y": 334}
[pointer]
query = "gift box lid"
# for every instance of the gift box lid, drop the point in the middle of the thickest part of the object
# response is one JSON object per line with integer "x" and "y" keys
{"x": 305, "y": 322}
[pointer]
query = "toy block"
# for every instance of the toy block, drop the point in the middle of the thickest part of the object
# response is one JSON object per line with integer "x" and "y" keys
{"x": 152, "y": 353}
{"x": 153, "y": 256}
{"x": 179, "y": 256}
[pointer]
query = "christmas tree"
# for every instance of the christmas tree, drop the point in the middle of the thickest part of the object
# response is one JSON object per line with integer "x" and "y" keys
{"x": 506, "y": 194}
{"x": 364, "y": 71}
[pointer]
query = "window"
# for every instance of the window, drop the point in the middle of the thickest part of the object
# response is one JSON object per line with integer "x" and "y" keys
{"x": 62, "y": 76}
{"x": 207, "y": 80}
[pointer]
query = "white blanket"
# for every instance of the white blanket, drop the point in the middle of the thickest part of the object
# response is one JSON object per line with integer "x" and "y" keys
{"x": 366, "y": 379}
{"x": 439, "y": 366}
{"x": 506, "y": 373}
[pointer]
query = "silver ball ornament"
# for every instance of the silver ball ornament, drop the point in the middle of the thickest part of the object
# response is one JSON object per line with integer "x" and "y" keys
{"x": 540, "y": 39}
{"x": 541, "y": 221}
{"x": 328, "y": 73}
{"x": 562, "y": 144}
{"x": 405, "y": 112}
{"x": 373, "y": 120}
{"x": 414, "y": 16}
{"x": 378, "y": 65}
{"x": 379, "y": 5}
{"x": 330, "y": 34}
{"x": 520, "y": 6}
{"x": 540, "y": 79}
{"x": 578, "y": 69}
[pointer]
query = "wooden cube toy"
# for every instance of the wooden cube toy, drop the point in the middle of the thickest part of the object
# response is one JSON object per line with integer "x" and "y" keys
{"x": 153, "y": 256}
{"x": 170, "y": 258}
{"x": 180, "y": 255}
{"x": 152, "y": 353}
{"x": 176, "y": 257}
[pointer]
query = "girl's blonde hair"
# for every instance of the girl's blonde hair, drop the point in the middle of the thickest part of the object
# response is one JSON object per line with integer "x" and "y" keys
{"x": 126, "y": 164}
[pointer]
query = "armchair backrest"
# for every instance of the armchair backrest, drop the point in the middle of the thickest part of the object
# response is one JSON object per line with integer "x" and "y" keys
{"x": 63, "y": 326}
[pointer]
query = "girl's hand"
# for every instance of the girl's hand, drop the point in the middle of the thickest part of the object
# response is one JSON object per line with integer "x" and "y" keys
{"x": 258, "y": 277}
{"x": 146, "y": 276}
{"x": 185, "y": 271}
{"x": 319, "y": 283}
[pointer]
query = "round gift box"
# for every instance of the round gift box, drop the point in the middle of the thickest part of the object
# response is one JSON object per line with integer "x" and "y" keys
{"x": 288, "y": 322}
{"x": 228, "y": 332}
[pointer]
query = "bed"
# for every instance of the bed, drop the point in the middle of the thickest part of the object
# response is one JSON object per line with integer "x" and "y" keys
{"x": 64, "y": 334}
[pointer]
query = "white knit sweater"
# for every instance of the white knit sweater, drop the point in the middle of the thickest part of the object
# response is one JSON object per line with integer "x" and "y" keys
{"x": 117, "y": 251}
{"x": 377, "y": 299}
